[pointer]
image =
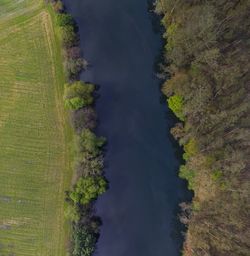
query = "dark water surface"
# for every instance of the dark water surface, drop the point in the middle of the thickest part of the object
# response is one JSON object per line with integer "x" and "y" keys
{"x": 139, "y": 211}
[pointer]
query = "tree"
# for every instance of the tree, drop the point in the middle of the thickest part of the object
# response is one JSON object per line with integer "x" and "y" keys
{"x": 84, "y": 241}
{"x": 178, "y": 131}
{"x": 64, "y": 19}
{"x": 73, "y": 67}
{"x": 88, "y": 189}
{"x": 190, "y": 149}
{"x": 188, "y": 175}
{"x": 207, "y": 56}
{"x": 175, "y": 103}
{"x": 58, "y": 6}
{"x": 69, "y": 37}
{"x": 72, "y": 212}
{"x": 78, "y": 95}
{"x": 90, "y": 166}
{"x": 84, "y": 118}
{"x": 73, "y": 52}
{"x": 89, "y": 142}
{"x": 74, "y": 103}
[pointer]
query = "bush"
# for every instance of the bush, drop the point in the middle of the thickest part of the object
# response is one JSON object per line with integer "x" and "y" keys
{"x": 88, "y": 189}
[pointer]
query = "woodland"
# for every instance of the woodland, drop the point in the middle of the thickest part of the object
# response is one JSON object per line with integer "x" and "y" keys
{"x": 207, "y": 86}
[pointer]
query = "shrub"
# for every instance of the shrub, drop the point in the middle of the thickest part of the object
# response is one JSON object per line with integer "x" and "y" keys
{"x": 175, "y": 103}
{"x": 88, "y": 189}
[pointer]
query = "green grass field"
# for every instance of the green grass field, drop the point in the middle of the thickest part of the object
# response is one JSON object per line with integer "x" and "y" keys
{"x": 34, "y": 159}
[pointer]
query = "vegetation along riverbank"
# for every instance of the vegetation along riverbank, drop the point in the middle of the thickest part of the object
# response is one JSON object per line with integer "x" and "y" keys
{"x": 207, "y": 57}
{"x": 89, "y": 181}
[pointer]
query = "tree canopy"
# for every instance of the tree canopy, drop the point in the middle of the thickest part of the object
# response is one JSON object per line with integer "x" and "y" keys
{"x": 207, "y": 55}
{"x": 78, "y": 95}
{"x": 88, "y": 189}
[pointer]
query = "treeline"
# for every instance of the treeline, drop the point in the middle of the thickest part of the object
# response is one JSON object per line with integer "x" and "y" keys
{"x": 207, "y": 57}
{"x": 89, "y": 162}
{"x": 73, "y": 62}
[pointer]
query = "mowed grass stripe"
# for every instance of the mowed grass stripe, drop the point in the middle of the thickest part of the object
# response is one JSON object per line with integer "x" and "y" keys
{"x": 33, "y": 154}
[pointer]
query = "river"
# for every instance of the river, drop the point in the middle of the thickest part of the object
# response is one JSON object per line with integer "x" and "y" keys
{"x": 139, "y": 211}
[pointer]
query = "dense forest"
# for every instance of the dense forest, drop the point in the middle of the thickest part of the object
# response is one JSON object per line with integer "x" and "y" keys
{"x": 207, "y": 55}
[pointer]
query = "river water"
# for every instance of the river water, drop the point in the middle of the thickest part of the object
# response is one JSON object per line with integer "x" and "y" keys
{"x": 139, "y": 211}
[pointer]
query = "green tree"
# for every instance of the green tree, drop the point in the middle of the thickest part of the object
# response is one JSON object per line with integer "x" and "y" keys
{"x": 78, "y": 95}
{"x": 207, "y": 56}
{"x": 175, "y": 103}
{"x": 88, "y": 189}
{"x": 69, "y": 37}
{"x": 84, "y": 241}
{"x": 190, "y": 149}
{"x": 187, "y": 174}
{"x": 74, "y": 103}
{"x": 89, "y": 142}
{"x": 64, "y": 19}
{"x": 72, "y": 212}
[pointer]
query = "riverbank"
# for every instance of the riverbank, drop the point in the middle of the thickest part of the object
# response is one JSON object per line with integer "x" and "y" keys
{"x": 207, "y": 57}
{"x": 88, "y": 182}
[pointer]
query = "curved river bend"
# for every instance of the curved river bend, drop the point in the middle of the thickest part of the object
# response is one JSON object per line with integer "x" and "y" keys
{"x": 139, "y": 211}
